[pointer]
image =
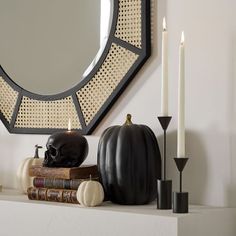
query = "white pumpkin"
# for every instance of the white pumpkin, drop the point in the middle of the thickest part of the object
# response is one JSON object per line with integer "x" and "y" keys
{"x": 23, "y": 178}
{"x": 90, "y": 193}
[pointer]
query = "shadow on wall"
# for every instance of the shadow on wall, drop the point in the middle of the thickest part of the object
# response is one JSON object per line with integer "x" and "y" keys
{"x": 231, "y": 188}
{"x": 195, "y": 172}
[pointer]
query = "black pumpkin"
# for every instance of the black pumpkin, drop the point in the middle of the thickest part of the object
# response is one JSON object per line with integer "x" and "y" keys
{"x": 129, "y": 163}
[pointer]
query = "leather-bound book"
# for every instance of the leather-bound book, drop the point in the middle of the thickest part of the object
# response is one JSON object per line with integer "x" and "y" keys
{"x": 53, "y": 195}
{"x": 81, "y": 172}
{"x": 42, "y": 182}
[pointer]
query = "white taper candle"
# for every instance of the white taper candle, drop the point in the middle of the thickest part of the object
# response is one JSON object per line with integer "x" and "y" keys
{"x": 181, "y": 101}
{"x": 164, "y": 88}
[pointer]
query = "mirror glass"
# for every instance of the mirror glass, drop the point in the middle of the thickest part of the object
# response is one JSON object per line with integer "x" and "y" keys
{"x": 49, "y": 46}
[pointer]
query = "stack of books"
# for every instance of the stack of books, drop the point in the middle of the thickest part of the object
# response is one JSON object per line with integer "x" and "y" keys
{"x": 59, "y": 184}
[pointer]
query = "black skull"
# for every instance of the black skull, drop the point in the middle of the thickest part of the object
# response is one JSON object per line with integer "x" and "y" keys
{"x": 65, "y": 149}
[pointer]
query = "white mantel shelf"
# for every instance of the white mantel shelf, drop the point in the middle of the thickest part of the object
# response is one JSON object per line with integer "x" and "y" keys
{"x": 22, "y": 217}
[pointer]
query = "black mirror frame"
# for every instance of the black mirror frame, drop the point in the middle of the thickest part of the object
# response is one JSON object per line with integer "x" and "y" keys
{"x": 86, "y": 128}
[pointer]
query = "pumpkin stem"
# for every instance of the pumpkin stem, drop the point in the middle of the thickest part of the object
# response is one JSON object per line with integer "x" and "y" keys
{"x": 128, "y": 120}
{"x": 36, "y": 154}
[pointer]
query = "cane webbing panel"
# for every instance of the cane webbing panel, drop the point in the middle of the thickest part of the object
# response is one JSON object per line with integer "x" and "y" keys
{"x": 8, "y": 98}
{"x": 47, "y": 114}
{"x": 129, "y": 23}
{"x": 95, "y": 93}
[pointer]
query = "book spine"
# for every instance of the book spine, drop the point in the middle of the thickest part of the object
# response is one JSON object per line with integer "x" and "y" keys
{"x": 40, "y": 171}
{"x": 39, "y": 182}
{"x": 53, "y": 195}
{"x": 63, "y": 173}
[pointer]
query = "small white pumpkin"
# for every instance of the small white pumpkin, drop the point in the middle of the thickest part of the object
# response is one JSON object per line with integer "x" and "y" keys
{"x": 23, "y": 178}
{"x": 90, "y": 193}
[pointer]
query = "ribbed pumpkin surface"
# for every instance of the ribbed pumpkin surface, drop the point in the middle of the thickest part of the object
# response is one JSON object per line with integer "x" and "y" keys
{"x": 129, "y": 164}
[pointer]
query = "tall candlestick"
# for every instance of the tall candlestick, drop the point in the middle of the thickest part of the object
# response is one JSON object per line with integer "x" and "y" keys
{"x": 164, "y": 88}
{"x": 181, "y": 101}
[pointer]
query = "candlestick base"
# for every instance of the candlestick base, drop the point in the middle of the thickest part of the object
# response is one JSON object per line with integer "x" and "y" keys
{"x": 180, "y": 202}
{"x": 164, "y": 194}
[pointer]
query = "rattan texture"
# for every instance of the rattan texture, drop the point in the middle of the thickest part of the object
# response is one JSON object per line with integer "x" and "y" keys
{"x": 47, "y": 114}
{"x": 129, "y": 23}
{"x": 8, "y": 99}
{"x": 95, "y": 93}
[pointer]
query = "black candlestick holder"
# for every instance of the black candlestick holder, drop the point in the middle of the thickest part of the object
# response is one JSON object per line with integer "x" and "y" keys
{"x": 164, "y": 186}
{"x": 180, "y": 199}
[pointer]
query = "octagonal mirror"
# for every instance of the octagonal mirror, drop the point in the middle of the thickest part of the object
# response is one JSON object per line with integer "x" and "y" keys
{"x": 64, "y": 60}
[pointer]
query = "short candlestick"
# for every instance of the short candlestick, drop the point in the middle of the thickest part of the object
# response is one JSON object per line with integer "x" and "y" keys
{"x": 180, "y": 199}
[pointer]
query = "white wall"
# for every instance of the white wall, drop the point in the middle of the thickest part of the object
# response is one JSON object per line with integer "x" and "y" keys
{"x": 210, "y": 31}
